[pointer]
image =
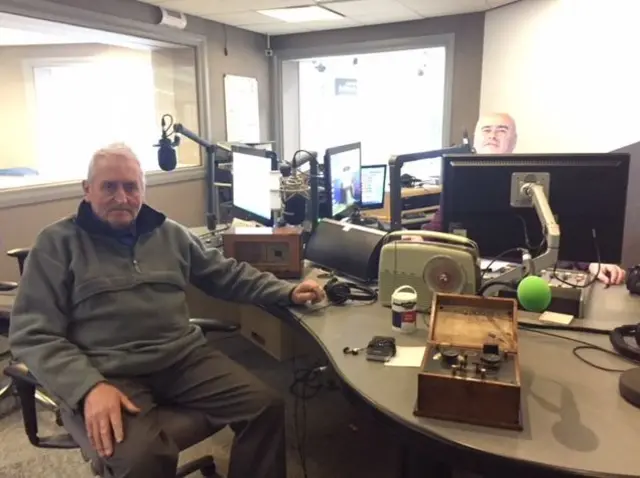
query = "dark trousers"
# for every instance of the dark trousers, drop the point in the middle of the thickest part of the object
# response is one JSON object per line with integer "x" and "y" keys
{"x": 226, "y": 393}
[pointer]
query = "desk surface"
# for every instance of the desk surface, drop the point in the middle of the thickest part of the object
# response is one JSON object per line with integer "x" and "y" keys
{"x": 574, "y": 417}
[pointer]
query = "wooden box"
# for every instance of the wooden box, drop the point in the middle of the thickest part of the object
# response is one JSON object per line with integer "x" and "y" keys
{"x": 277, "y": 250}
{"x": 471, "y": 370}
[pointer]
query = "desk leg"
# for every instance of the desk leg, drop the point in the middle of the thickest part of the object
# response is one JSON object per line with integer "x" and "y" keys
{"x": 417, "y": 465}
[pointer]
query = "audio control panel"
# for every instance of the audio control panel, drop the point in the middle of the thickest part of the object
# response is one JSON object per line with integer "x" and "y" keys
{"x": 489, "y": 363}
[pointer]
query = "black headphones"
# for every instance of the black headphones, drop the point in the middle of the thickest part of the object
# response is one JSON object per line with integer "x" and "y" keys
{"x": 619, "y": 343}
{"x": 338, "y": 292}
{"x": 633, "y": 280}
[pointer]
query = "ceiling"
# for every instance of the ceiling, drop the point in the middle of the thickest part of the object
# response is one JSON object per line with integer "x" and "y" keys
{"x": 244, "y": 13}
{"x": 17, "y": 30}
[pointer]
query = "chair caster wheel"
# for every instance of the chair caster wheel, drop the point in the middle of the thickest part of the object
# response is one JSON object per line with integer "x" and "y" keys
{"x": 209, "y": 471}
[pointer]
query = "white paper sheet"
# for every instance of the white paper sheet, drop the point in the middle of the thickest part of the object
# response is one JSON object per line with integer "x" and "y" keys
{"x": 407, "y": 357}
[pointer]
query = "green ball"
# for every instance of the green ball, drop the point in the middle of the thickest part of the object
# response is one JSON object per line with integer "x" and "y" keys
{"x": 534, "y": 294}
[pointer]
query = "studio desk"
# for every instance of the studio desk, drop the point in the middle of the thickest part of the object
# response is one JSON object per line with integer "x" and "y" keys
{"x": 575, "y": 422}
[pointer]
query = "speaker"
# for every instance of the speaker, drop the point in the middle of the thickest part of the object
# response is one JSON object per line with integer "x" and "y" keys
{"x": 346, "y": 249}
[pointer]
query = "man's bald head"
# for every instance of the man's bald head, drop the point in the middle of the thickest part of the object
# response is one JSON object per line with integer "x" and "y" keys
{"x": 495, "y": 134}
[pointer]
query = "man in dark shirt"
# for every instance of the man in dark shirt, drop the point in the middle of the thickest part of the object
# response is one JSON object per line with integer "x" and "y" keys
{"x": 496, "y": 134}
{"x": 101, "y": 320}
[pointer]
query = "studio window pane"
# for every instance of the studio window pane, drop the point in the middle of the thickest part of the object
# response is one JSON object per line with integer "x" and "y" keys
{"x": 66, "y": 91}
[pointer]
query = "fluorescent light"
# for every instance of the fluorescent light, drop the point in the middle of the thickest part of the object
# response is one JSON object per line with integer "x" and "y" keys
{"x": 302, "y": 14}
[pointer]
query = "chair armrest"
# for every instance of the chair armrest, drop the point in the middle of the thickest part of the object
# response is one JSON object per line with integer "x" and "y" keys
{"x": 215, "y": 325}
{"x": 25, "y": 384}
{"x": 19, "y": 253}
{"x": 6, "y": 286}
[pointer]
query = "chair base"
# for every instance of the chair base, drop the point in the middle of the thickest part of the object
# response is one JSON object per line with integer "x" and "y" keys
{"x": 205, "y": 465}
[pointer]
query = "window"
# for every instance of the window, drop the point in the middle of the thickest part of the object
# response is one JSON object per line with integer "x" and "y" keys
{"x": 392, "y": 102}
{"x": 66, "y": 91}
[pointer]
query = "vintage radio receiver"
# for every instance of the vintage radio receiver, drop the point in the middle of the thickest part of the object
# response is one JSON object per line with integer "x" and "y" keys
{"x": 277, "y": 250}
{"x": 470, "y": 372}
{"x": 429, "y": 262}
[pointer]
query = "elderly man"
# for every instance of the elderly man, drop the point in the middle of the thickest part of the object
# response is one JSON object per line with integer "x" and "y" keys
{"x": 101, "y": 321}
{"x": 496, "y": 133}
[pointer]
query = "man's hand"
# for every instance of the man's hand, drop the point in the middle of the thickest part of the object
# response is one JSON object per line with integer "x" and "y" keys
{"x": 103, "y": 417}
{"x": 307, "y": 291}
{"x": 610, "y": 274}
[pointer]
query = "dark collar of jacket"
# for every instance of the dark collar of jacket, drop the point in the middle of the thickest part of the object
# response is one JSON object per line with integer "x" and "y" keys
{"x": 148, "y": 220}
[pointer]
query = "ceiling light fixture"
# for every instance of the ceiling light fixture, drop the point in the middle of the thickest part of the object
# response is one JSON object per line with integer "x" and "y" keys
{"x": 302, "y": 14}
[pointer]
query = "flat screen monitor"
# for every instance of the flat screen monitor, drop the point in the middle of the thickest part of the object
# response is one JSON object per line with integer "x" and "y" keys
{"x": 252, "y": 183}
{"x": 342, "y": 178}
{"x": 587, "y": 194}
{"x": 373, "y": 180}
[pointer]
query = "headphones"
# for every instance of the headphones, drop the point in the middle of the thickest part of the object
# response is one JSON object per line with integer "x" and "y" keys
{"x": 338, "y": 292}
{"x": 619, "y": 343}
{"x": 633, "y": 280}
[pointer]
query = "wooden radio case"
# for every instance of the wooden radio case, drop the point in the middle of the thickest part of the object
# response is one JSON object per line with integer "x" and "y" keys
{"x": 277, "y": 250}
{"x": 471, "y": 371}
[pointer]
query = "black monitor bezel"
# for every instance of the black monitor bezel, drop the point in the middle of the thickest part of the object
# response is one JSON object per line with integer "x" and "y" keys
{"x": 327, "y": 176}
{"x": 239, "y": 212}
{"x": 380, "y": 205}
{"x": 554, "y": 160}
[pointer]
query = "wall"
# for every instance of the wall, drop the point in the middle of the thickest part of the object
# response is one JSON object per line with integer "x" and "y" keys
{"x": 468, "y": 31}
{"x": 566, "y": 71}
{"x": 246, "y": 57}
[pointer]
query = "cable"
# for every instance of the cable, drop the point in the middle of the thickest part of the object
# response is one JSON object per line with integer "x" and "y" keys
{"x": 594, "y": 277}
{"x": 540, "y": 329}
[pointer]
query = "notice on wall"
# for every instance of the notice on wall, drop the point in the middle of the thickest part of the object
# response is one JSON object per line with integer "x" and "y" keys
{"x": 346, "y": 87}
{"x": 242, "y": 109}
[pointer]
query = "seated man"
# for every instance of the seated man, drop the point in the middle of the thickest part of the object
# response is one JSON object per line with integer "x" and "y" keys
{"x": 102, "y": 322}
{"x": 496, "y": 134}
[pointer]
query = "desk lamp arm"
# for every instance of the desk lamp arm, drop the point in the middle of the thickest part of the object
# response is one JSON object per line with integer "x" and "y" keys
{"x": 549, "y": 257}
{"x": 212, "y": 206}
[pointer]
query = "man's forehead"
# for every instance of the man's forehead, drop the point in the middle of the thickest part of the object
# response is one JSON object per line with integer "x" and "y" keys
{"x": 496, "y": 121}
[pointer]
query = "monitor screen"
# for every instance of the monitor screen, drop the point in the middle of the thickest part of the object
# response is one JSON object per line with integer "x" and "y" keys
{"x": 373, "y": 181}
{"x": 251, "y": 183}
{"x": 344, "y": 173}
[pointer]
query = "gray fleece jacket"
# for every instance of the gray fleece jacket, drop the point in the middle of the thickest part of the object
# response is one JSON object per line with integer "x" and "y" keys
{"x": 93, "y": 304}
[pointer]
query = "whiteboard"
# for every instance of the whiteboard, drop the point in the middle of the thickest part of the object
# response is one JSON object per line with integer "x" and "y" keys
{"x": 242, "y": 109}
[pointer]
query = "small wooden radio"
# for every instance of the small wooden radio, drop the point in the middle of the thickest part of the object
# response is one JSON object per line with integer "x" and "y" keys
{"x": 277, "y": 250}
{"x": 471, "y": 372}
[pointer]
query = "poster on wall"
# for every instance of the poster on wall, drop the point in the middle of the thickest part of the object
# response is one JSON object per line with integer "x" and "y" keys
{"x": 242, "y": 109}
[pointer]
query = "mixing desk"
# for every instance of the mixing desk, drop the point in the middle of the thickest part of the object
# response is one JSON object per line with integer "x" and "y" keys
{"x": 570, "y": 291}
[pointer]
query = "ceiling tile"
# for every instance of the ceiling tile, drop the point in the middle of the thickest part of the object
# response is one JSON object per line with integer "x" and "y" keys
{"x": 330, "y": 25}
{"x": 237, "y": 19}
{"x": 380, "y": 19}
{"x": 206, "y": 7}
{"x": 277, "y": 28}
{"x": 444, "y": 7}
{"x": 363, "y": 7}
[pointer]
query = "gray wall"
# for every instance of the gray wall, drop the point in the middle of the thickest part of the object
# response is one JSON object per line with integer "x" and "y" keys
{"x": 246, "y": 55}
{"x": 468, "y": 33}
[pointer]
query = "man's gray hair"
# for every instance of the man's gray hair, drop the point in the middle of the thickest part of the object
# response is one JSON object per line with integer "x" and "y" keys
{"x": 116, "y": 150}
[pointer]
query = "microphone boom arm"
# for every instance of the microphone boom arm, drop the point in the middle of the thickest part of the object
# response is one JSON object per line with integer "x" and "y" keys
{"x": 548, "y": 259}
{"x": 212, "y": 204}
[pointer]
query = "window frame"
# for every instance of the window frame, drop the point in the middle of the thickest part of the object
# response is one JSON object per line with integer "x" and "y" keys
{"x": 287, "y": 97}
{"x": 55, "y": 12}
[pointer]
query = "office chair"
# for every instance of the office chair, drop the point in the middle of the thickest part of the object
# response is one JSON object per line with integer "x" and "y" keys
{"x": 21, "y": 256}
{"x": 185, "y": 427}
{"x": 6, "y": 388}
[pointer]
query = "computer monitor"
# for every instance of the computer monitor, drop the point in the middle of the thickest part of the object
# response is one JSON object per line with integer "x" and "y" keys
{"x": 342, "y": 178}
{"x": 251, "y": 184}
{"x": 373, "y": 179}
{"x": 587, "y": 194}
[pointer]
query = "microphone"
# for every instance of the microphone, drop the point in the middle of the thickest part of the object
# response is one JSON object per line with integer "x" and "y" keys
{"x": 167, "y": 159}
{"x": 534, "y": 294}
